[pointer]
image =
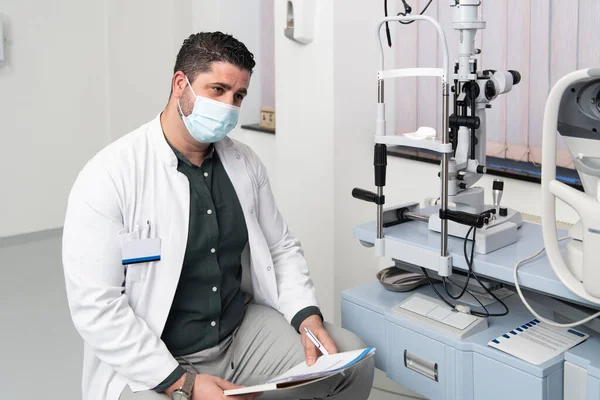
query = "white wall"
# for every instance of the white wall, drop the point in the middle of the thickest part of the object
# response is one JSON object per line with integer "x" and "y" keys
{"x": 239, "y": 18}
{"x": 356, "y": 63}
{"x": 52, "y": 107}
{"x": 82, "y": 73}
{"x": 79, "y": 74}
{"x": 143, "y": 41}
{"x": 305, "y": 143}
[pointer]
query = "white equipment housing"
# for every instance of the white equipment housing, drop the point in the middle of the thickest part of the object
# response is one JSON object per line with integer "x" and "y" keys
{"x": 573, "y": 110}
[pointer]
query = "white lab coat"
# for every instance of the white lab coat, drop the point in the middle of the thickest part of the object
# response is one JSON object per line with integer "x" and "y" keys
{"x": 132, "y": 182}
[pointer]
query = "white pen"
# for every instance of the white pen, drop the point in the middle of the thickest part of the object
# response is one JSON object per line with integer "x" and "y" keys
{"x": 316, "y": 342}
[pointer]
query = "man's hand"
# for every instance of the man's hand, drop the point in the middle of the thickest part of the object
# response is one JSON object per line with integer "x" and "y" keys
{"x": 208, "y": 387}
{"x": 315, "y": 325}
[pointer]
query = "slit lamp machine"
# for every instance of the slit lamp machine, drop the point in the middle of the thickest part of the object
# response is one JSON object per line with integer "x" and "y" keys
{"x": 573, "y": 109}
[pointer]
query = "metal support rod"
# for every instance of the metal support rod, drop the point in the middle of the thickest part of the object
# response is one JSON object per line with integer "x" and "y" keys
{"x": 473, "y": 135}
{"x": 416, "y": 217}
{"x": 380, "y": 99}
{"x": 445, "y": 177}
{"x": 379, "y": 215}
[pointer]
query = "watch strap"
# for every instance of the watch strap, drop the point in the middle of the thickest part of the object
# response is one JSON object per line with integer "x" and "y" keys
{"x": 188, "y": 383}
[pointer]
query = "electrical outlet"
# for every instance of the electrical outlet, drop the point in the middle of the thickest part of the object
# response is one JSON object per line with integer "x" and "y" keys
{"x": 267, "y": 118}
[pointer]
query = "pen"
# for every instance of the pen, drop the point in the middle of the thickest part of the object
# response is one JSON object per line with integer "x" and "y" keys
{"x": 316, "y": 342}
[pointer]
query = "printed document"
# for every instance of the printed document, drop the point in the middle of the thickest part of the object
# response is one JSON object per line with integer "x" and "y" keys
{"x": 302, "y": 374}
{"x": 537, "y": 342}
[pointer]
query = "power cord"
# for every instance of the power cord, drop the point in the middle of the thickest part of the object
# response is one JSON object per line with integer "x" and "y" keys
{"x": 531, "y": 310}
{"x": 472, "y": 295}
{"x": 407, "y": 11}
{"x": 470, "y": 272}
{"x": 464, "y": 289}
{"x": 453, "y": 306}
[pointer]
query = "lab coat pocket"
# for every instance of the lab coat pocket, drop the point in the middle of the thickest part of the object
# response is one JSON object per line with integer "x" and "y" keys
{"x": 136, "y": 273}
{"x": 134, "y": 257}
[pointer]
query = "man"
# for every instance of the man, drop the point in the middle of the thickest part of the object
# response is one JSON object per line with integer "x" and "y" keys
{"x": 182, "y": 277}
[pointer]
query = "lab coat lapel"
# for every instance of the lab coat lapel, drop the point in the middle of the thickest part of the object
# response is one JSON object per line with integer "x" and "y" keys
{"x": 171, "y": 198}
{"x": 264, "y": 286}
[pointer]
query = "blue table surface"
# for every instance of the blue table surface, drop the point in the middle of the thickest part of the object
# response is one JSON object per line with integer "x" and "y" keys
{"x": 498, "y": 265}
{"x": 374, "y": 297}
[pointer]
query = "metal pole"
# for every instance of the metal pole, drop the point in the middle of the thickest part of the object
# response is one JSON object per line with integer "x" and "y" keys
{"x": 445, "y": 157}
{"x": 416, "y": 217}
{"x": 380, "y": 100}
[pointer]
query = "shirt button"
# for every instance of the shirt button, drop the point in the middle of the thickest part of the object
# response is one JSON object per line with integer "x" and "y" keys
{"x": 252, "y": 211}
{"x": 209, "y": 212}
{"x": 213, "y": 250}
{"x": 213, "y": 323}
{"x": 238, "y": 157}
{"x": 268, "y": 268}
{"x": 206, "y": 174}
{"x": 214, "y": 288}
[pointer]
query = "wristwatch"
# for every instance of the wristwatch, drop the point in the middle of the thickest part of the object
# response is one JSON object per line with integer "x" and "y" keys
{"x": 185, "y": 392}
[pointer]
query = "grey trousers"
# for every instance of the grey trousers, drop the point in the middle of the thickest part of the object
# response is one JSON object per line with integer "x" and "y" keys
{"x": 265, "y": 346}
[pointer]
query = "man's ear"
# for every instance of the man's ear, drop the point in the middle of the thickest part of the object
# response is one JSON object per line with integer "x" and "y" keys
{"x": 179, "y": 84}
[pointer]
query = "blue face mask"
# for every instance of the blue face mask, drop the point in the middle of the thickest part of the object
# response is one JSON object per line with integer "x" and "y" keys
{"x": 210, "y": 120}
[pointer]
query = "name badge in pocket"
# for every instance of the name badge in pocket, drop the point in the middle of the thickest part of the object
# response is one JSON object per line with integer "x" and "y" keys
{"x": 140, "y": 251}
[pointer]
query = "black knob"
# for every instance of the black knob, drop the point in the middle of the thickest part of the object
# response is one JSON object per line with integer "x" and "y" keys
{"x": 490, "y": 90}
{"x": 481, "y": 169}
{"x": 503, "y": 211}
{"x": 516, "y": 76}
{"x": 462, "y": 185}
{"x": 380, "y": 163}
{"x": 498, "y": 184}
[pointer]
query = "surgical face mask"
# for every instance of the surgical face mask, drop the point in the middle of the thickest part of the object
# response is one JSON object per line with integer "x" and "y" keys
{"x": 210, "y": 120}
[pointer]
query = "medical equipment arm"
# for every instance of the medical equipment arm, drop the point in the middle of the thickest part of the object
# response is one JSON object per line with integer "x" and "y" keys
{"x": 444, "y": 266}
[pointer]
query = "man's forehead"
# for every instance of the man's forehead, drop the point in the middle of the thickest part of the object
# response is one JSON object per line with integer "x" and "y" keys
{"x": 225, "y": 72}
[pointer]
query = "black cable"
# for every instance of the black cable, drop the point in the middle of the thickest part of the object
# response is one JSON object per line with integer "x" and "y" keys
{"x": 487, "y": 313}
{"x": 472, "y": 272}
{"x": 475, "y": 313}
{"x": 407, "y": 10}
{"x": 464, "y": 289}
{"x": 387, "y": 25}
{"x": 435, "y": 289}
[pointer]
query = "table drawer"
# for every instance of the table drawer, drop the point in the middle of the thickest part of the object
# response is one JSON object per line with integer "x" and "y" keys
{"x": 417, "y": 362}
{"x": 497, "y": 381}
{"x": 369, "y": 326}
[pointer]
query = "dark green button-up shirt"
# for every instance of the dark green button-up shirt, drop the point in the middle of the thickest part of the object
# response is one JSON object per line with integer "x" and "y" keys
{"x": 208, "y": 304}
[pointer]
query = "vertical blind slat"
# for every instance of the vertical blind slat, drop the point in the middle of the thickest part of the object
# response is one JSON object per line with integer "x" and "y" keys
{"x": 518, "y": 54}
{"x": 427, "y": 110}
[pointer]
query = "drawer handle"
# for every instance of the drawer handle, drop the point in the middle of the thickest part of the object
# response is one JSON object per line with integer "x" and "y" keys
{"x": 420, "y": 365}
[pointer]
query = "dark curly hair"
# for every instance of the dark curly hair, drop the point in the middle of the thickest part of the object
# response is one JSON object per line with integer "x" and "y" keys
{"x": 200, "y": 50}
